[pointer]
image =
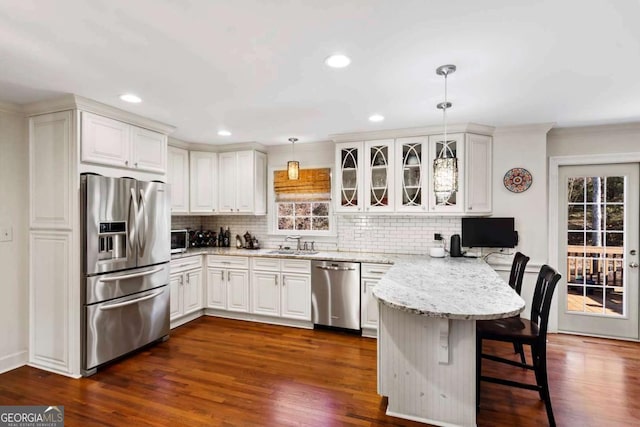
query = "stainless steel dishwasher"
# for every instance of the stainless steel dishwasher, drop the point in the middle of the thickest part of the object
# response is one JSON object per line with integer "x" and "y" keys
{"x": 335, "y": 294}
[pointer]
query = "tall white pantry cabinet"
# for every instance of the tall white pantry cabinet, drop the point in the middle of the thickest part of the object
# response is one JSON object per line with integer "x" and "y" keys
{"x": 55, "y": 150}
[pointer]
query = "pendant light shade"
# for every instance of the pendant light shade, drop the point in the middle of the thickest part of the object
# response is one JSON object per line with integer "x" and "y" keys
{"x": 293, "y": 166}
{"x": 445, "y": 166}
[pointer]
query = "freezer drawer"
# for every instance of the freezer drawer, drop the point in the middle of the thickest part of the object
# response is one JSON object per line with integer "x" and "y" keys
{"x": 115, "y": 285}
{"x": 119, "y": 326}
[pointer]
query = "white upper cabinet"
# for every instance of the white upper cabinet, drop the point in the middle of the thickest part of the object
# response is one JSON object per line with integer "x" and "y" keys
{"x": 412, "y": 173}
{"x": 479, "y": 167}
{"x": 148, "y": 150}
{"x": 454, "y": 146}
{"x": 111, "y": 142}
{"x": 203, "y": 182}
{"x": 105, "y": 141}
{"x": 378, "y": 176}
{"x": 350, "y": 170}
{"x": 242, "y": 182}
{"x": 397, "y": 175}
{"x": 178, "y": 178}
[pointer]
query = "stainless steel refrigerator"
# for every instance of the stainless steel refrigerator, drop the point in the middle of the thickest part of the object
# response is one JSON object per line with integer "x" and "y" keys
{"x": 125, "y": 266}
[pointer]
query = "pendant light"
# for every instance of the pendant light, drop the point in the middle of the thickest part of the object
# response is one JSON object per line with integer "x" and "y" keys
{"x": 445, "y": 166}
{"x": 293, "y": 166}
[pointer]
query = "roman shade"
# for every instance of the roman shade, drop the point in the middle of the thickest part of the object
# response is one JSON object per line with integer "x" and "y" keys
{"x": 312, "y": 185}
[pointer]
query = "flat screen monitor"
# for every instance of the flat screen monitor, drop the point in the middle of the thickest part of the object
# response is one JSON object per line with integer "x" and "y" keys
{"x": 488, "y": 233}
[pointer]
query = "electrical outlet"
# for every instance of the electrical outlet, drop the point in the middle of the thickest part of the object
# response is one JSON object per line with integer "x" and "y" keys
{"x": 6, "y": 234}
{"x": 437, "y": 236}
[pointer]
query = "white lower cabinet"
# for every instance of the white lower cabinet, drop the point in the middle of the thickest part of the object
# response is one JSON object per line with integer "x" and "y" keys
{"x": 228, "y": 283}
{"x": 370, "y": 276}
{"x": 185, "y": 288}
{"x": 281, "y": 288}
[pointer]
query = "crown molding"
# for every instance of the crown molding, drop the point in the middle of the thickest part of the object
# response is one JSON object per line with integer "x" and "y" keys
{"x": 535, "y": 127}
{"x": 71, "y": 102}
{"x": 608, "y": 128}
{"x": 197, "y": 146}
{"x": 417, "y": 131}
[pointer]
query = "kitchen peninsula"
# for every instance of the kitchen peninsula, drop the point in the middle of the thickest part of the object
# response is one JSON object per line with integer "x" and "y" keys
{"x": 426, "y": 335}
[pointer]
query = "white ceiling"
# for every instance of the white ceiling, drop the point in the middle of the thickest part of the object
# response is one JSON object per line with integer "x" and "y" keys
{"x": 255, "y": 67}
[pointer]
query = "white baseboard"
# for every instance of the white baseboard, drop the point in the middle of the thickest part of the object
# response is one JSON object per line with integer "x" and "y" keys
{"x": 13, "y": 361}
{"x": 185, "y": 319}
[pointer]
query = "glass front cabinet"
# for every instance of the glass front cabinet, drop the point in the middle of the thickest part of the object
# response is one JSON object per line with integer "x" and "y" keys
{"x": 378, "y": 176}
{"x": 398, "y": 175}
{"x": 412, "y": 169}
{"x": 349, "y": 167}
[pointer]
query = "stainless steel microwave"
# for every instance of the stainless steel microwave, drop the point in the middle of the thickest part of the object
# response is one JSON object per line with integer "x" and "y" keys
{"x": 179, "y": 241}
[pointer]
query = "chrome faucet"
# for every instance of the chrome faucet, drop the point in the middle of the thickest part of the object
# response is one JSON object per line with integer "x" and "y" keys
{"x": 294, "y": 238}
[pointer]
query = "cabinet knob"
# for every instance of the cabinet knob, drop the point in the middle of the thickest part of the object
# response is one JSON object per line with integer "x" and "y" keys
{"x": 126, "y": 162}
{"x": 424, "y": 207}
{"x": 213, "y": 210}
{"x": 238, "y": 210}
{"x": 136, "y": 164}
{"x": 470, "y": 207}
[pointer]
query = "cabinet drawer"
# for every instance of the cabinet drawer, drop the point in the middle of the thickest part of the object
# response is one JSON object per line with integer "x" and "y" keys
{"x": 296, "y": 266}
{"x": 265, "y": 264}
{"x": 223, "y": 261}
{"x": 374, "y": 270}
{"x": 187, "y": 263}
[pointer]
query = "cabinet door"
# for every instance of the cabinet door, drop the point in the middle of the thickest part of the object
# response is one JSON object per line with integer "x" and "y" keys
{"x": 105, "y": 141}
{"x": 175, "y": 296}
{"x": 245, "y": 179}
{"x": 204, "y": 175}
{"x": 447, "y": 201}
{"x": 216, "y": 288}
{"x": 411, "y": 166}
{"x": 478, "y": 184}
{"x": 238, "y": 290}
{"x": 265, "y": 293}
{"x": 369, "y": 314}
{"x": 228, "y": 186}
{"x": 148, "y": 150}
{"x": 378, "y": 176}
{"x": 296, "y": 296}
{"x": 192, "y": 290}
{"x": 349, "y": 167}
{"x": 178, "y": 177}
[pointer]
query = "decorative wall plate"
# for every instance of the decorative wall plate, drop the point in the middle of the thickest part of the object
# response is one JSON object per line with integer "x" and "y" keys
{"x": 517, "y": 180}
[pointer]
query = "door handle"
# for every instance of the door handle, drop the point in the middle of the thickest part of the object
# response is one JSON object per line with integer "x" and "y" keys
{"x": 322, "y": 267}
{"x": 222, "y": 275}
{"x": 633, "y": 264}
{"x": 130, "y": 276}
{"x": 133, "y": 301}
{"x": 228, "y": 275}
{"x": 132, "y": 224}
{"x": 143, "y": 212}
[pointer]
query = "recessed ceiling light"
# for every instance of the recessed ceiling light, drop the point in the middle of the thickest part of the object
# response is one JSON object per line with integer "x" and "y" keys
{"x": 376, "y": 118}
{"x": 129, "y": 97}
{"x": 337, "y": 61}
{"x": 224, "y": 133}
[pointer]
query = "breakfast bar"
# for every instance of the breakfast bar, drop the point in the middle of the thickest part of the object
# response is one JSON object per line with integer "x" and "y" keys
{"x": 426, "y": 336}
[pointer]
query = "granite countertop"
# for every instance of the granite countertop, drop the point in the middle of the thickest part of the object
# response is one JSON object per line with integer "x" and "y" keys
{"x": 450, "y": 288}
{"x": 322, "y": 255}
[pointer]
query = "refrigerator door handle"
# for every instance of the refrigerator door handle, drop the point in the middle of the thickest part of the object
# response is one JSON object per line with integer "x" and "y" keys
{"x": 130, "y": 276}
{"x": 132, "y": 224}
{"x": 142, "y": 237}
{"x": 130, "y": 302}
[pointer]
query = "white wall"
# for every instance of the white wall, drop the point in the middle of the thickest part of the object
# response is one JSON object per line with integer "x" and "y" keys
{"x": 624, "y": 138}
{"x": 13, "y": 254}
{"x": 523, "y": 146}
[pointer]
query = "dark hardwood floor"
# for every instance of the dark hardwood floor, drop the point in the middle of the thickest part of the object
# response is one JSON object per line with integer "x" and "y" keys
{"x": 218, "y": 372}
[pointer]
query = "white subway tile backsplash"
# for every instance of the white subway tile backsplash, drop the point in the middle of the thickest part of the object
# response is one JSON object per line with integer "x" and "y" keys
{"x": 387, "y": 234}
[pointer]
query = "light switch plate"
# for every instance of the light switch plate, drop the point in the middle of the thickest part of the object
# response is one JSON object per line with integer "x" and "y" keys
{"x": 6, "y": 234}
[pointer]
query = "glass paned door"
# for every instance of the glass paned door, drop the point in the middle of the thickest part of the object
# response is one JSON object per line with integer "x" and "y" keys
{"x": 379, "y": 182}
{"x": 599, "y": 242}
{"x": 349, "y": 183}
{"x": 411, "y": 162}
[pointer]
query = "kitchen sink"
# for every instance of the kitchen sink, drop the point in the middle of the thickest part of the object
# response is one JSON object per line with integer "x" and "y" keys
{"x": 292, "y": 252}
